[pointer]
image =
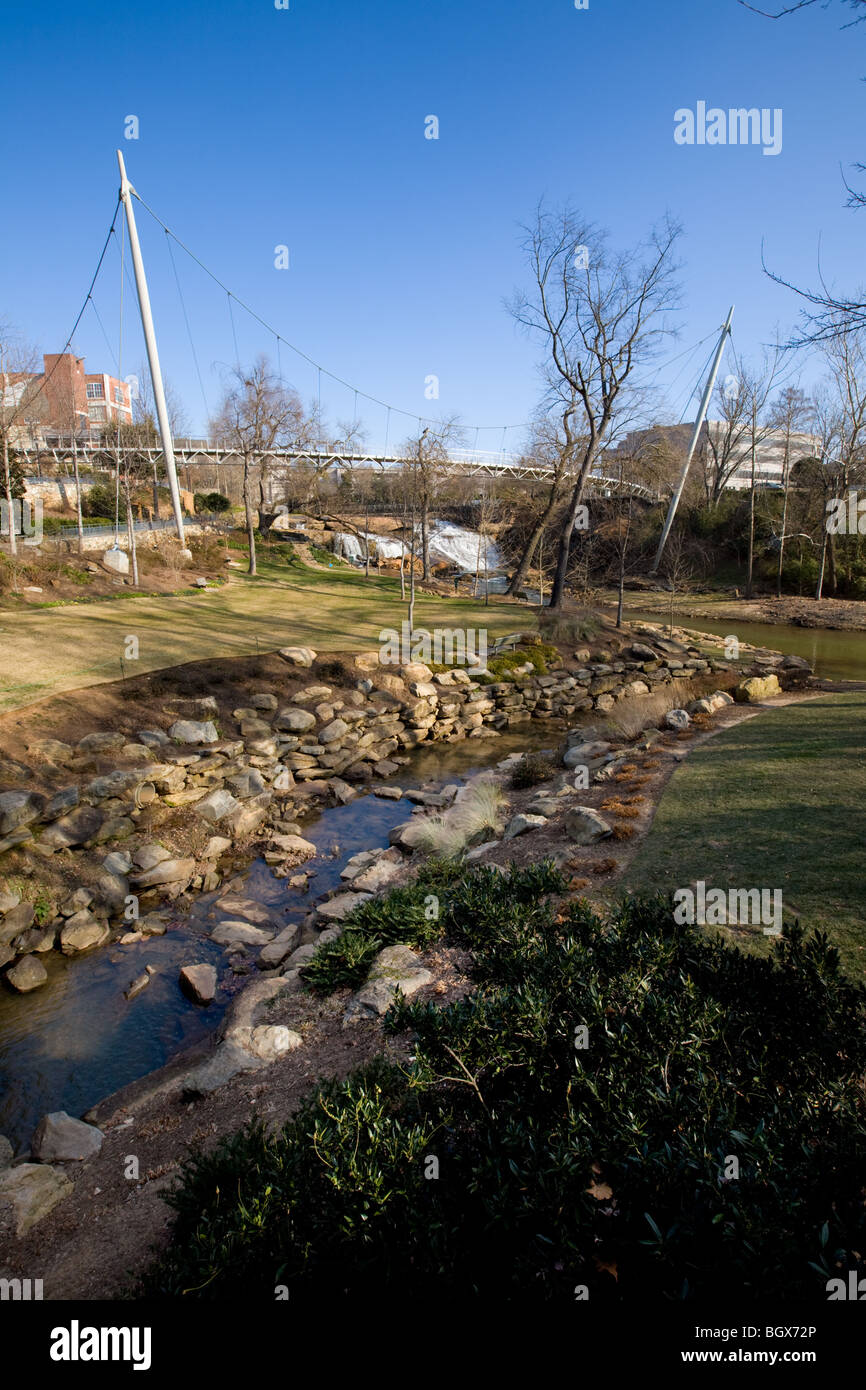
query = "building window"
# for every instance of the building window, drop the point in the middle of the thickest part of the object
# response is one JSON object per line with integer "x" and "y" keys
{"x": 96, "y": 412}
{"x": 119, "y": 398}
{"x": 95, "y": 391}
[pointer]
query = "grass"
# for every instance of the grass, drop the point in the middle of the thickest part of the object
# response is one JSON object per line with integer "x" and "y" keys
{"x": 478, "y": 815}
{"x": 774, "y": 802}
{"x": 336, "y": 610}
{"x": 631, "y": 715}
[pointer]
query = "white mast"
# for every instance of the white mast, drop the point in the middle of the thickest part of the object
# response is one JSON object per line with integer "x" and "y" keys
{"x": 126, "y": 192}
{"x": 705, "y": 401}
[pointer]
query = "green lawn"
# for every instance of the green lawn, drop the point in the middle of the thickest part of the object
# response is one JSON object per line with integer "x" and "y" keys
{"x": 48, "y": 650}
{"x": 778, "y": 801}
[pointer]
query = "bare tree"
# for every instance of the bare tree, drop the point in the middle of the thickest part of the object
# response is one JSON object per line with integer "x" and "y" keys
{"x": 600, "y": 314}
{"x": 555, "y": 445}
{"x": 429, "y": 454}
{"x": 258, "y": 414}
{"x": 20, "y": 396}
{"x": 792, "y": 411}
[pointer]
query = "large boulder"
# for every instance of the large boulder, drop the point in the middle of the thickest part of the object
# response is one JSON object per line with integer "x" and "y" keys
{"x": 234, "y": 933}
{"x": 193, "y": 731}
{"x": 27, "y": 975}
{"x": 61, "y": 1139}
{"x": 298, "y": 656}
{"x": 757, "y": 688}
{"x": 82, "y": 933}
{"x": 167, "y": 871}
{"x": 32, "y": 1190}
{"x": 18, "y": 809}
{"x": 395, "y": 970}
{"x": 217, "y": 805}
{"x": 296, "y": 721}
{"x": 585, "y": 826}
{"x": 677, "y": 719}
{"x": 519, "y": 824}
{"x": 77, "y": 828}
{"x": 337, "y": 729}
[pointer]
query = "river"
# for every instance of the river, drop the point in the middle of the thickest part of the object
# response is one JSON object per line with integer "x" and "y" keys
{"x": 77, "y": 1039}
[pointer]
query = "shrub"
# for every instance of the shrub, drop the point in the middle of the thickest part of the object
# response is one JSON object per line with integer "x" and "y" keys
{"x": 475, "y": 817}
{"x": 99, "y": 502}
{"x": 631, "y": 715}
{"x": 212, "y": 502}
{"x": 567, "y": 629}
{"x": 532, "y": 769}
{"x": 563, "y": 1165}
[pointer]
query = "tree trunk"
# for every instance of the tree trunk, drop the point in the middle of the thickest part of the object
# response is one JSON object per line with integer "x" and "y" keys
{"x": 557, "y": 595}
{"x": 7, "y": 487}
{"x": 248, "y": 513}
{"x": 425, "y": 549}
{"x": 751, "y": 518}
{"x": 519, "y": 577}
{"x": 79, "y": 520}
{"x": 155, "y": 493}
{"x": 130, "y": 530}
{"x": 367, "y": 538}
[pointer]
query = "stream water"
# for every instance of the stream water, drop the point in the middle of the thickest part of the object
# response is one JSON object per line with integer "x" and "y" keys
{"x": 77, "y": 1039}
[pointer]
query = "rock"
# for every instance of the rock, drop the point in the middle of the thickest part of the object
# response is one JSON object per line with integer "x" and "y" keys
{"x": 217, "y": 805}
{"x": 295, "y": 720}
{"x": 76, "y": 828}
{"x": 311, "y": 692}
{"x": 338, "y": 728}
{"x": 153, "y": 738}
{"x": 113, "y": 784}
{"x": 100, "y": 743}
{"x": 756, "y": 689}
{"x": 32, "y": 1189}
{"x": 376, "y": 877}
{"x": 76, "y": 902}
{"x": 298, "y": 656}
{"x": 7, "y": 902}
{"x": 18, "y": 809}
{"x": 388, "y": 793}
{"x": 232, "y": 933}
{"x": 270, "y": 1041}
{"x": 247, "y": 783}
{"x": 55, "y": 751}
{"x": 17, "y": 920}
{"x": 199, "y": 982}
{"x": 38, "y": 939}
{"x": 148, "y": 856}
{"x": 580, "y": 753}
{"x": 118, "y": 862}
{"x": 62, "y": 801}
{"x": 193, "y": 731}
{"x": 795, "y": 663}
{"x": 396, "y": 969}
{"x": 111, "y": 888}
{"x": 263, "y": 700}
{"x": 677, "y": 719}
{"x": 638, "y": 652}
{"x": 82, "y": 933}
{"x": 28, "y": 974}
{"x": 409, "y": 834}
{"x": 137, "y": 985}
{"x": 166, "y": 871}
{"x": 518, "y": 825}
{"x": 338, "y": 907}
{"x": 276, "y": 951}
{"x": 342, "y": 791}
{"x": 227, "y": 1061}
{"x": 61, "y": 1139}
{"x": 216, "y": 845}
{"x": 300, "y": 956}
{"x": 416, "y": 671}
{"x": 294, "y": 845}
{"x": 585, "y": 826}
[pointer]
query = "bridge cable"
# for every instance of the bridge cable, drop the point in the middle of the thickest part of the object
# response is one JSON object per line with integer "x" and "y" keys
{"x": 188, "y": 328}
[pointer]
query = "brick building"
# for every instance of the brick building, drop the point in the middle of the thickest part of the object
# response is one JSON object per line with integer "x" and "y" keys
{"x": 89, "y": 403}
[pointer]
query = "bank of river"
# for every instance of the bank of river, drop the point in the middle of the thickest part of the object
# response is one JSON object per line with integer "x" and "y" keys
{"x": 832, "y": 654}
{"x": 77, "y": 1040}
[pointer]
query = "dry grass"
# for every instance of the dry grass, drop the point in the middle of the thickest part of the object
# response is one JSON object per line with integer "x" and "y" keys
{"x": 620, "y": 808}
{"x": 480, "y": 809}
{"x": 638, "y": 712}
{"x": 621, "y": 831}
{"x": 604, "y": 866}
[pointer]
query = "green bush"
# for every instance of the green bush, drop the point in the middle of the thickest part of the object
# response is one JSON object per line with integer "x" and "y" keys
{"x": 98, "y": 502}
{"x": 561, "y": 1165}
{"x": 211, "y": 502}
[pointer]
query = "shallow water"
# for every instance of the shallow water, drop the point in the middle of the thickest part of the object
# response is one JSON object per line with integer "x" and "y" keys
{"x": 76, "y": 1040}
{"x": 834, "y": 655}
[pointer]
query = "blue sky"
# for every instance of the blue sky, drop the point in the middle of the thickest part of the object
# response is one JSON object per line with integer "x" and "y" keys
{"x": 305, "y": 127}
